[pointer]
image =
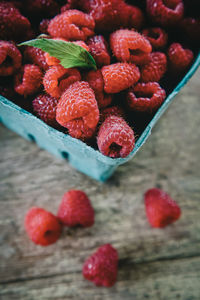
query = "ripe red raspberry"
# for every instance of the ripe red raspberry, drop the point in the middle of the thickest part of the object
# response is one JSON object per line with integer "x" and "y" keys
{"x": 146, "y": 97}
{"x": 161, "y": 210}
{"x": 156, "y": 36}
{"x": 120, "y": 76}
{"x": 95, "y": 80}
{"x": 179, "y": 58}
{"x": 78, "y": 110}
{"x": 131, "y": 16}
{"x": 13, "y": 26}
{"x": 72, "y": 25}
{"x": 36, "y": 56}
{"x": 165, "y": 12}
{"x": 10, "y": 58}
{"x": 28, "y": 80}
{"x": 45, "y": 108}
{"x": 155, "y": 69}
{"x": 115, "y": 138}
{"x": 111, "y": 111}
{"x": 129, "y": 45}
{"x": 76, "y": 209}
{"x": 191, "y": 29}
{"x": 102, "y": 266}
{"x": 44, "y": 26}
{"x": 98, "y": 48}
{"x": 44, "y": 8}
{"x": 42, "y": 227}
{"x": 57, "y": 79}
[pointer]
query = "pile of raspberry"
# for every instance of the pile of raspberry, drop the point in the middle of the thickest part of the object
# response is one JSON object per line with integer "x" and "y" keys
{"x": 141, "y": 48}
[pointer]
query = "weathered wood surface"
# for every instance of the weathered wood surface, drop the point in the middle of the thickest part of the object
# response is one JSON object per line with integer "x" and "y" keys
{"x": 154, "y": 264}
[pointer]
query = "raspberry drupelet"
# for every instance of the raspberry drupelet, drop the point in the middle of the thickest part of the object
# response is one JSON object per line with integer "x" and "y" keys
{"x": 57, "y": 79}
{"x": 76, "y": 209}
{"x": 161, "y": 209}
{"x": 10, "y": 58}
{"x": 42, "y": 227}
{"x": 179, "y": 58}
{"x": 130, "y": 46}
{"x": 115, "y": 138}
{"x": 72, "y": 25}
{"x": 157, "y": 36}
{"x": 28, "y": 80}
{"x": 45, "y": 108}
{"x": 120, "y": 76}
{"x": 146, "y": 97}
{"x": 102, "y": 266}
{"x": 155, "y": 69}
{"x": 165, "y": 12}
{"x": 77, "y": 110}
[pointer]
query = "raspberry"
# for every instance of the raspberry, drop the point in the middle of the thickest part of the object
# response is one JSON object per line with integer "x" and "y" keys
{"x": 77, "y": 110}
{"x": 95, "y": 80}
{"x": 98, "y": 49}
{"x": 44, "y": 26}
{"x": 28, "y": 81}
{"x": 179, "y": 58}
{"x": 10, "y": 58}
{"x": 102, "y": 266}
{"x": 44, "y": 8}
{"x": 120, "y": 76}
{"x": 13, "y": 26}
{"x": 155, "y": 68}
{"x": 129, "y": 45}
{"x": 72, "y": 25}
{"x": 191, "y": 29}
{"x": 76, "y": 209}
{"x": 115, "y": 138}
{"x": 45, "y": 108}
{"x": 146, "y": 97}
{"x": 161, "y": 210}
{"x": 165, "y": 12}
{"x": 36, "y": 56}
{"x": 131, "y": 16}
{"x": 111, "y": 111}
{"x": 57, "y": 79}
{"x": 156, "y": 36}
{"x": 42, "y": 227}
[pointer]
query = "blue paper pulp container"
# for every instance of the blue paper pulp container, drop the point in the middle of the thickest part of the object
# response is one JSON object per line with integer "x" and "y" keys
{"x": 79, "y": 155}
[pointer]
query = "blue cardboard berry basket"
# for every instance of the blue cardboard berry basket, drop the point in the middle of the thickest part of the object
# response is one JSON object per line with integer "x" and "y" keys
{"x": 81, "y": 156}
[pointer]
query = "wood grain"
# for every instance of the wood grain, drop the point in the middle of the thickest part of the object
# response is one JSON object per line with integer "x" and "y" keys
{"x": 154, "y": 264}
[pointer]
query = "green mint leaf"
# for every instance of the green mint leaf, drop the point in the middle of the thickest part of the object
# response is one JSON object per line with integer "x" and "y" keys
{"x": 69, "y": 54}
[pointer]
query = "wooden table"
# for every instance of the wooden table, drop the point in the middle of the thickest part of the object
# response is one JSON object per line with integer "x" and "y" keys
{"x": 154, "y": 264}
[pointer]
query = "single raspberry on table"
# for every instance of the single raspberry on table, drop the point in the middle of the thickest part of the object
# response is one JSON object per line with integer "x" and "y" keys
{"x": 165, "y": 12}
{"x": 131, "y": 46}
{"x": 157, "y": 36}
{"x": 95, "y": 80}
{"x": 99, "y": 50}
{"x": 111, "y": 111}
{"x": 72, "y": 25}
{"x": 179, "y": 58}
{"x": 10, "y": 58}
{"x": 155, "y": 69}
{"x": 76, "y": 209}
{"x": 42, "y": 227}
{"x": 115, "y": 137}
{"x": 13, "y": 26}
{"x": 146, "y": 97}
{"x": 57, "y": 79}
{"x": 36, "y": 56}
{"x": 45, "y": 108}
{"x": 161, "y": 209}
{"x": 77, "y": 110}
{"x": 120, "y": 76}
{"x": 28, "y": 80}
{"x": 102, "y": 266}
